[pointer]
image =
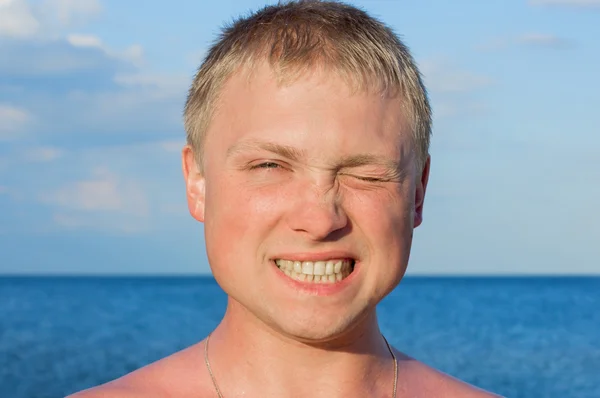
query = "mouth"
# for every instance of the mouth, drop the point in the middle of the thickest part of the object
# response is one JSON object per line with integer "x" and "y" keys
{"x": 325, "y": 272}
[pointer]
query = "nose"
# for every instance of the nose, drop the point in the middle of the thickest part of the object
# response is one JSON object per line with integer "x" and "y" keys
{"x": 318, "y": 213}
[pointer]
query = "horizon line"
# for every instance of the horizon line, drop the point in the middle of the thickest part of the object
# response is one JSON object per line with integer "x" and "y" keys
{"x": 209, "y": 275}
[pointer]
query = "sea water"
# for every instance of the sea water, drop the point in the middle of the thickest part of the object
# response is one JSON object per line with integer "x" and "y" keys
{"x": 518, "y": 337}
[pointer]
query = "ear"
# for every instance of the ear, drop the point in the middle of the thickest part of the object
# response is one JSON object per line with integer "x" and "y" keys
{"x": 194, "y": 183}
{"x": 420, "y": 193}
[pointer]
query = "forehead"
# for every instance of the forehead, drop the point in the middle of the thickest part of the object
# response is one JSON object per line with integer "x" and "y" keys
{"x": 316, "y": 108}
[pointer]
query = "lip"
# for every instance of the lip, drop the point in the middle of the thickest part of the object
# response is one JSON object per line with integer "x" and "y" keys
{"x": 321, "y": 256}
{"x": 317, "y": 289}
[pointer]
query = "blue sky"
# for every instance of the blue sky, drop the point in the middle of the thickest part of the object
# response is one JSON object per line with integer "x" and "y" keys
{"x": 91, "y": 97}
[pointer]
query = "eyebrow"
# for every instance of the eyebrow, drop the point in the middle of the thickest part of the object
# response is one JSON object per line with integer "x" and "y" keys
{"x": 285, "y": 151}
{"x": 393, "y": 169}
{"x": 368, "y": 160}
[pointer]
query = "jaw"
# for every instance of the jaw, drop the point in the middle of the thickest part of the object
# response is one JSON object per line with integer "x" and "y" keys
{"x": 308, "y": 322}
{"x": 307, "y": 311}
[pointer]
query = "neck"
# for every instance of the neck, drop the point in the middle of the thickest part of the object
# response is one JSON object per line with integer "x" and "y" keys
{"x": 249, "y": 357}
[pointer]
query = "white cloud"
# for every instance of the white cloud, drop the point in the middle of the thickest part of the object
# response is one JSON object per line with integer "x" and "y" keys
{"x": 453, "y": 90}
{"x": 442, "y": 76}
{"x": 105, "y": 202}
{"x": 133, "y": 54}
{"x": 530, "y": 39}
{"x": 447, "y": 109}
{"x": 17, "y": 20}
{"x": 544, "y": 40}
{"x": 42, "y": 154}
{"x": 67, "y": 12}
{"x": 80, "y": 84}
{"x": 567, "y": 3}
{"x": 23, "y": 19}
{"x": 104, "y": 192}
{"x": 138, "y": 110}
{"x": 111, "y": 189}
{"x": 72, "y": 81}
{"x": 172, "y": 146}
{"x": 95, "y": 222}
{"x": 38, "y": 45}
{"x": 78, "y": 40}
{"x": 167, "y": 84}
{"x": 13, "y": 120}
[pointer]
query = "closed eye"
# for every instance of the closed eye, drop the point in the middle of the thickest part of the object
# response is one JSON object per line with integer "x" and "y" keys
{"x": 370, "y": 179}
{"x": 367, "y": 179}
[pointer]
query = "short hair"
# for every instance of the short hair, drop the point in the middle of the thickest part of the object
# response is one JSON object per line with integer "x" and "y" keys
{"x": 295, "y": 37}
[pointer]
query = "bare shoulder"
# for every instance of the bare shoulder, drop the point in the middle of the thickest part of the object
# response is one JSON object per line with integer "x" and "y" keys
{"x": 137, "y": 384}
{"x": 177, "y": 375}
{"x": 109, "y": 391}
{"x": 425, "y": 381}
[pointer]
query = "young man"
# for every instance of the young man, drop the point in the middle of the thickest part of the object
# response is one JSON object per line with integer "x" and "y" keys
{"x": 307, "y": 161}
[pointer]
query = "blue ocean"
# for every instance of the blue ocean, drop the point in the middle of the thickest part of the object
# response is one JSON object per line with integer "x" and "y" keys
{"x": 519, "y": 337}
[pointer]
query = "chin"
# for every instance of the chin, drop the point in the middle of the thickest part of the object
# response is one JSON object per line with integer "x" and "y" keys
{"x": 317, "y": 328}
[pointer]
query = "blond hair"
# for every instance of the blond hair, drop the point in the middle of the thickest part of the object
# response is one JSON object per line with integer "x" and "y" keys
{"x": 299, "y": 36}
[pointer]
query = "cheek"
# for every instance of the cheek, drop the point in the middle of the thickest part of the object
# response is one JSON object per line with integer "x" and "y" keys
{"x": 384, "y": 211}
{"x": 386, "y": 220}
{"x": 238, "y": 216}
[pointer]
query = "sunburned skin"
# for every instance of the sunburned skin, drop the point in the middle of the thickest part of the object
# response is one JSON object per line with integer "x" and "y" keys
{"x": 183, "y": 375}
{"x": 301, "y": 181}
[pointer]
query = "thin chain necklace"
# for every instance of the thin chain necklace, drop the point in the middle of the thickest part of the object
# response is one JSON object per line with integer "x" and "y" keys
{"x": 214, "y": 381}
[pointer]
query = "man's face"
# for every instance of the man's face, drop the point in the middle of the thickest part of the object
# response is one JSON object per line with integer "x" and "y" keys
{"x": 312, "y": 178}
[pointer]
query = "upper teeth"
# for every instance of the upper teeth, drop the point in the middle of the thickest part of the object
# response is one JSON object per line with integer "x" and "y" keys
{"x": 329, "y": 267}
